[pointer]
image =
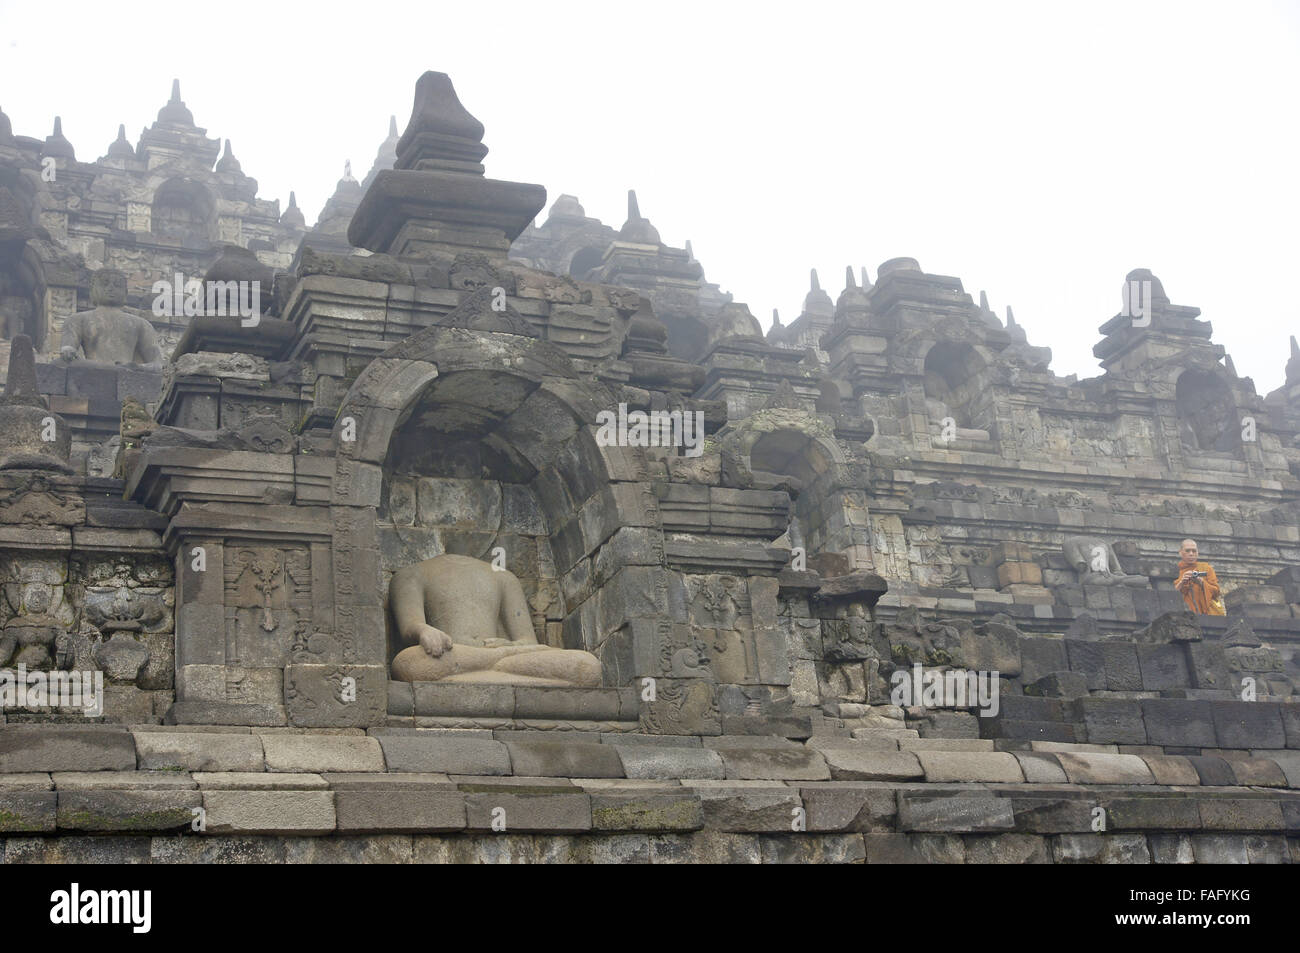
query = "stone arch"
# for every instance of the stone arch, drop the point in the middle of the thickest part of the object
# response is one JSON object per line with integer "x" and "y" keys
{"x": 1207, "y": 412}
{"x": 954, "y": 383}
{"x": 584, "y": 260}
{"x": 831, "y": 512}
{"x": 22, "y": 296}
{"x": 466, "y": 441}
{"x": 22, "y": 278}
{"x": 182, "y": 209}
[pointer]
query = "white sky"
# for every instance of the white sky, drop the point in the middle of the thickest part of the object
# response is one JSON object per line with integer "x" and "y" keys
{"x": 1034, "y": 150}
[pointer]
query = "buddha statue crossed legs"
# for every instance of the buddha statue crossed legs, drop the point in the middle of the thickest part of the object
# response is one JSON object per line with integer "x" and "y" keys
{"x": 471, "y": 623}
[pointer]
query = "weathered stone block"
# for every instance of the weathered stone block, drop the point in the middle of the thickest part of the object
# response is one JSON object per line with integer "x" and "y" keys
{"x": 1220, "y": 849}
{"x": 269, "y": 812}
{"x": 127, "y": 810}
{"x": 1171, "y": 849}
{"x": 401, "y": 810}
{"x": 844, "y": 806}
{"x": 370, "y": 849}
{"x": 1120, "y": 661}
{"x": 595, "y": 704}
{"x": 25, "y": 748}
{"x": 954, "y": 813}
{"x": 986, "y": 766}
{"x": 1172, "y": 769}
{"x": 468, "y": 700}
{"x": 1213, "y": 771}
{"x": 868, "y": 764}
{"x": 1178, "y": 722}
{"x": 650, "y": 812}
{"x": 198, "y": 751}
{"x": 260, "y": 781}
{"x": 564, "y": 759}
{"x": 447, "y": 755}
{"x": 1152, "y": 813}
{"x": 914, "y": 849}
{"x": 336, "y": 695}
{"x": 1040, "y": 767}
{"x": 1088, "y": 659}
{"x": 1163, "y": 667}
{"x": 529, "y": 812}
{"x": 22, "y": 811}
{"x": 315, "y": 753}
{"x": 646, "y": 761}
{"x": 1086, "y": 768}
{"x": 705, "y": 847}
{"x": 1112, "y": 720}
{"x": 749, "y": 810}
{"x": 1007, "y": 849}
{"x": 1052, "y": 815}
{"x": 1038, "y": 657}
{"x": 1260, "y": 772}
{"x": 814, "y": 849}
{"x": 1248, "y": 725}
{"x": 775, "y": 762}
{"x": 1241, "y": 814}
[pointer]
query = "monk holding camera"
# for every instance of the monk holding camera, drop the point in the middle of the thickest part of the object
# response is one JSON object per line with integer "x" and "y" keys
{"x": 1197, "y": 582}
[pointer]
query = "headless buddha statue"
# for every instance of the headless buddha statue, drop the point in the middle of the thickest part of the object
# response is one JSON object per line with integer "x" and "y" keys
{"x": 471, "y": 623}
{"x": 109, "y": 333}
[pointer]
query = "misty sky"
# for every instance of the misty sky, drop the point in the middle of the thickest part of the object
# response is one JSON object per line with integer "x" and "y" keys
{"x": 1036, "y": 151}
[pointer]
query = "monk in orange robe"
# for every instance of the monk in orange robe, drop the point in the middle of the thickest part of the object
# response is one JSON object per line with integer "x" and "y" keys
{"x": 1197, "y": 581}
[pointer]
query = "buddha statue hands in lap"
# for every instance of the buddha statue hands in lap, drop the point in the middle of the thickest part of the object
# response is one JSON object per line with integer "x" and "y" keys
{"x": 469, "y": 622}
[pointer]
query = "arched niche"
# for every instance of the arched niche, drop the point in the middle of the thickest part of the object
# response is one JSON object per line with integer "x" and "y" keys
{"x": 1207, "y": 413}
{"x": 954, "y": 384}
{"x": 183, "y": 211}
{"x": 485, "y": 441}
{"x": 22, "y": 294}
{"x": 584, "y": 260}
{"x": 812, "y": 463}
{"x": 454, "y": 482}
{"x": 830, "y": 513}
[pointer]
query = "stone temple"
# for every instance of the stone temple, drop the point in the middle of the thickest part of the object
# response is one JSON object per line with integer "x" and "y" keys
{"x": 499, "y": 541}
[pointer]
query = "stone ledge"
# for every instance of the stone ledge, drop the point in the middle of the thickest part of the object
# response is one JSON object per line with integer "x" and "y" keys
{"x": 693, "y": 847}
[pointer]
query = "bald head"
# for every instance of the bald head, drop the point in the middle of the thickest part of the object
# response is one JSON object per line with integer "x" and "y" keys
{"x": 1189, "y": 552}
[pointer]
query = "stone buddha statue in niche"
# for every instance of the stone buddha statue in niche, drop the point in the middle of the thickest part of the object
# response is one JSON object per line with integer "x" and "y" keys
{"x": 109, "y": 333}
{"x": 1095, "y": 561}
{"x": 471, "y": 623}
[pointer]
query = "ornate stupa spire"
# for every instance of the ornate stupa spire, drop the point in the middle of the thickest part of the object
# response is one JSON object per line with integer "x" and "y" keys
{"x": 1293, "y": 365}
{"x": 436, "y": 197}
{"x": 228, "y": 162}
{"x": 292, "y": 216}
{"x": 386, "y": 158}
{"x": 776, "y": 318}
{"x": 852, "y": 298}
{"x": 26, "y": 419}
{"x": 175, "y": 111}
{"x": 56, "y": 145}
{"x": 119, "y": 148}
{"x": 866, "y": 282}
{"x": 817, "y": 301}
{"x": 637, "y": 228}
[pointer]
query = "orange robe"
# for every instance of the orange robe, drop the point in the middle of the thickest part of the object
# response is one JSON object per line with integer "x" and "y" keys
{"x": 1203, "y": 595}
